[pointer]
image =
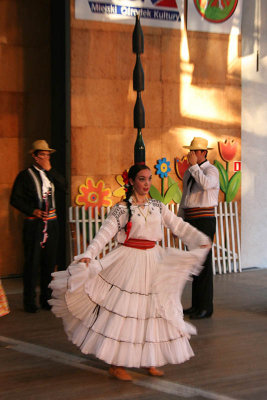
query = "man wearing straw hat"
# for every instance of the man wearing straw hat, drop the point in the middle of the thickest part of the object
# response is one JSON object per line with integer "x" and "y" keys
{"x": 33, "y": 194}
{"x": 200, "y": 196}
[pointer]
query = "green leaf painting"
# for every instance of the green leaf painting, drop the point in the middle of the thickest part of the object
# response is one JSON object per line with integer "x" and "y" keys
{"x": 173, "y": 192}
{"x": 223, "y": 176}
{"x": 229, "y": 187}
{"x": 170, "y": 181}
{"x": 233, "y": 186}
{"x": 155, "y": 194}
{"x": 170, "y": 193}
{"x": 177, "y": 195}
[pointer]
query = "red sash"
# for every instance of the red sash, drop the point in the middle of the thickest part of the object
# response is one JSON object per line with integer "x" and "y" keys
{"x": 141, "y": 244}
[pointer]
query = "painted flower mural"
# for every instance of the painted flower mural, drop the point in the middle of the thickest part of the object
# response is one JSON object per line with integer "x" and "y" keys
{"x": 181, "y": 166}
{"x": 163, "y": 167}
{"x": 93, "y": 195}
{"x": 123, "y": 181}
{"x": 228, "y": 150}
{"x": 173, "y": 192}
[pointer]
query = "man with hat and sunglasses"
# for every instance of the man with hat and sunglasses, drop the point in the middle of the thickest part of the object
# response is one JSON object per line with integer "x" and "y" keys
{"x": 33, "y": 194}
{"x": 200, "y": 196}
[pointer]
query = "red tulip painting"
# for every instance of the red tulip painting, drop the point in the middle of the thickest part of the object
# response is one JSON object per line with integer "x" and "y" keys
{"x": 228, "y": 150}
{"x": 181, "y": 166}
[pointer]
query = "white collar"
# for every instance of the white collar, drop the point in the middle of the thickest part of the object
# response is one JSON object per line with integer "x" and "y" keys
{"x": 38, "y": 169}
{"x": 204, "y": 165}
{"x": 132, "y": 201}
{"x": 46, "y": 183}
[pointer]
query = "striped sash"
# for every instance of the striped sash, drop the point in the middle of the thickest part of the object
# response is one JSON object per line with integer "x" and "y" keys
{"x": 199, "y": 212}
{"x": 51, "y": 215}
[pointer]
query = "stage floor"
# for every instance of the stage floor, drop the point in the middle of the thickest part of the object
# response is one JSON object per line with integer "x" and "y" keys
{"x": 37, "y": 362}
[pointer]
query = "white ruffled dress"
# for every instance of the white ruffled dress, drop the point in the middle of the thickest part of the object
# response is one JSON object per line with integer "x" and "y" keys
{"x": 126, "y": 308}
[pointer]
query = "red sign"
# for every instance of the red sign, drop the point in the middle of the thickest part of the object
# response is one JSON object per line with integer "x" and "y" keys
{"x": 237, "y": 166}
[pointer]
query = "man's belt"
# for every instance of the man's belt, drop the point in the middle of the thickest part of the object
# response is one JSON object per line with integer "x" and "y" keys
{"x": 140, "y": 244}
{"x": 51, "y": 215}
{"x": 199, "y": 212}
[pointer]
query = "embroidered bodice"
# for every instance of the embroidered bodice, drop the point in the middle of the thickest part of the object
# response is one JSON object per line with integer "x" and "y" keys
{"x": 149, "y": 228}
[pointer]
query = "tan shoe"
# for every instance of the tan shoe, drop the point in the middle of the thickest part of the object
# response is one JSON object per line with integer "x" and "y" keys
{"x": 120, "y": 373}
{"x": 155, "y": 372}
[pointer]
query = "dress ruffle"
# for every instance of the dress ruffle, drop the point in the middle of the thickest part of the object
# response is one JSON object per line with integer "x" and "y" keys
{"x": 125, "y": 308}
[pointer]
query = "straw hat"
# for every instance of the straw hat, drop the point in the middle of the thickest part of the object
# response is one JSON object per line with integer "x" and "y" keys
{"x": 198, "y": 143}
{"x": 41, "y": 145}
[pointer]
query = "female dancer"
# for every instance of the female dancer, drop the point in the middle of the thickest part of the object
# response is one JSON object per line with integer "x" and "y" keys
{"x": 126, "y": 309}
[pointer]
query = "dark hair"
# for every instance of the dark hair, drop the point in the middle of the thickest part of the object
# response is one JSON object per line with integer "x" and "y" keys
{"x": 133, "y": 171}
{"x": 206, "y": 153}
{"x": 202, "y": 151}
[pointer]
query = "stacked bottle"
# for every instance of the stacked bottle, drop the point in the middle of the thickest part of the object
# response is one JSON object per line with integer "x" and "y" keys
{"x": 138, "y": 86}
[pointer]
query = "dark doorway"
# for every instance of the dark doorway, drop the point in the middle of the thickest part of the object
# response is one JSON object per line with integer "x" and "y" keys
{"x": 60, "y": 114}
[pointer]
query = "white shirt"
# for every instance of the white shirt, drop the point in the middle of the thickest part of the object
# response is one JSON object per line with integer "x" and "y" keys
{"x": 46, "y": 183}
{"x": 205, "y": 190}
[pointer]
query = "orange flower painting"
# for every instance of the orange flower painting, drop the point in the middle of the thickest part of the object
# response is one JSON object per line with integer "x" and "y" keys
{"x": 93, "y": 195}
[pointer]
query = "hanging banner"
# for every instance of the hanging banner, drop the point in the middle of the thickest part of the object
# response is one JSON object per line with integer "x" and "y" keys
{"x": 158, "y": 13}
{"x": 217, "y": 16}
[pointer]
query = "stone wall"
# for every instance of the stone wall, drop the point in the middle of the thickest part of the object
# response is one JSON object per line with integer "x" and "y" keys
{"x": 192, "y": 88}
{"x": 24, "y": 108}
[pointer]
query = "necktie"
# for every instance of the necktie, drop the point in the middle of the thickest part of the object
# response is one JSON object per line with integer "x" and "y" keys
{"x": 191, "y": 180}
{"x": 190, "y": 183}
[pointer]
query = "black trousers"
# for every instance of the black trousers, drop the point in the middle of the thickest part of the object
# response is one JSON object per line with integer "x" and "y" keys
{"x": 202, "y": 287}
{"x": 38, "y": 259}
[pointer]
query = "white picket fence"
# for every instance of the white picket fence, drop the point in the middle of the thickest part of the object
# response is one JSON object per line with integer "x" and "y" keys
{"x": 225, "y": 250}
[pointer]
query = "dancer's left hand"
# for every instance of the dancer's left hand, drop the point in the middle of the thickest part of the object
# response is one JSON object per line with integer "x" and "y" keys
{"x": 86, "y": 261}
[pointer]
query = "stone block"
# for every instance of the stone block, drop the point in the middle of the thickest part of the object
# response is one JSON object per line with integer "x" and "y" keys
{"x": 10, "y": 156}
{"x": 114, "y": 61}
{"x": 102, "y": 103}
{"x": 12, "y": 69}
{"x": 12, "y": 114}
{"x": 210, "y": 55}
{"x": 11, "y": 228}
{"x": 170, "y": 56}
{"x": 24, "y": 22}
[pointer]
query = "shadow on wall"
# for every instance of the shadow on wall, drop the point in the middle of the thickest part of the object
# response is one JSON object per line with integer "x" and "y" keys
{"x": 253, "y": 17}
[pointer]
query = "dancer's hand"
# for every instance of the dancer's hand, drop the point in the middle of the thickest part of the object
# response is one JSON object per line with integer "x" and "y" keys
{"x": 86, "y": 261}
